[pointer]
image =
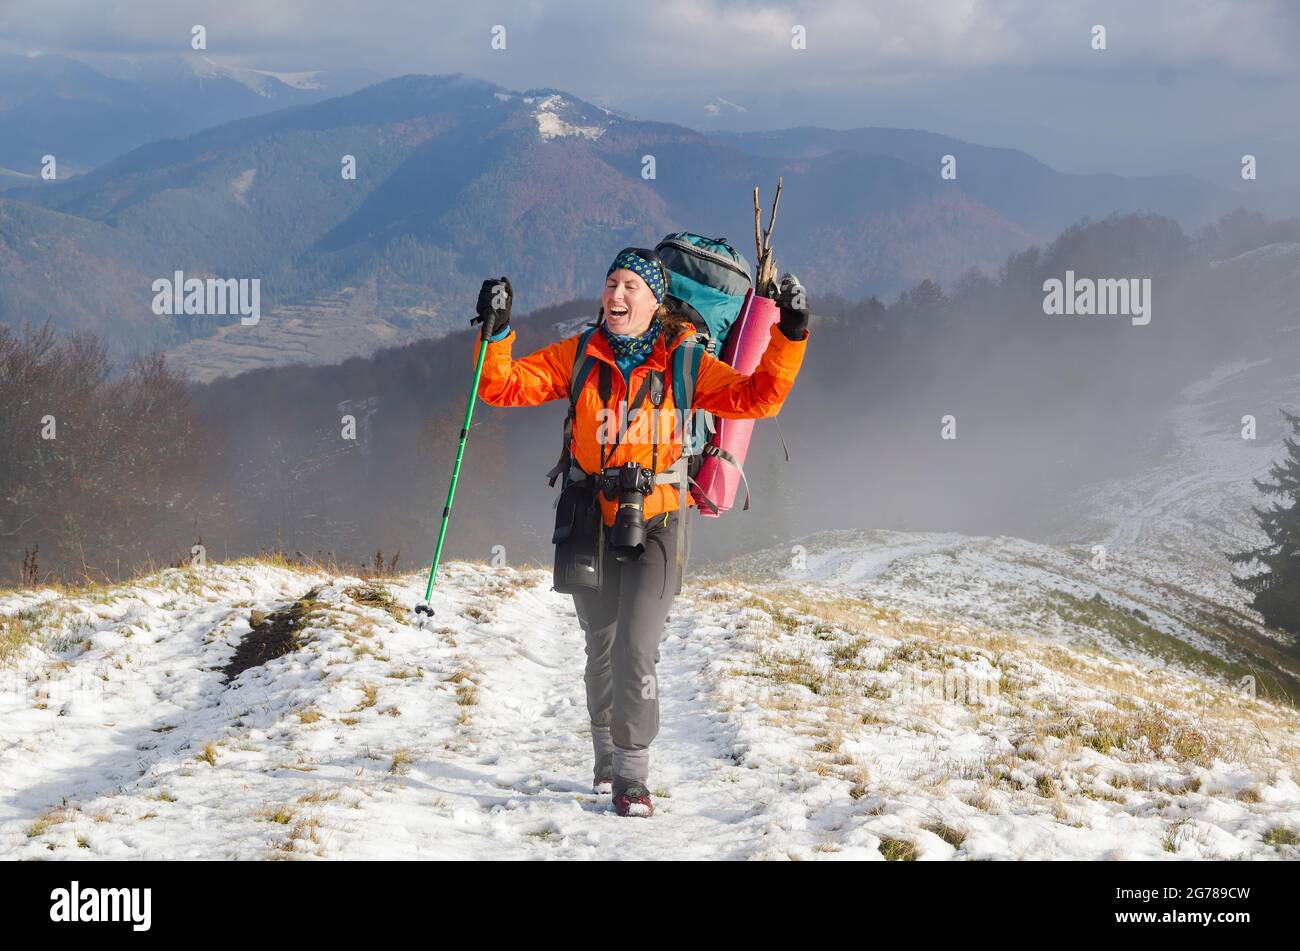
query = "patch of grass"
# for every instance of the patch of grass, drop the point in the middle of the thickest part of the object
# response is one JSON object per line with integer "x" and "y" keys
{"x": 1153, "y": 731}
{"x": 830, "y": 744}
{"x": 401, "y": 764}
{"x": 1279, "y": 836}
{"x": 897, "y": 850}
{"x": 302, "y": 837}
{"x": 914, "y": 652}
{"x": 45, "y": 627}
{"x": 1130, "y": 628}
{"x": 209, "y": 754}
{"x": 1180, "y": 787}
{"x": 859, "y": 778}
{"x": 798, "y": 670}
{"x": 376, "y": 596}
{"x": 876, "y": 691}
{"x": 43, "y": 823}
{"x": 310, "y": 715}
{"x": 369, "y": 697}
{"x": 280, "y": 815}
{"x": 954, "y": 837}
{"x": 1169, "y": 843}
{"x": 418, "y": 674}
{"x": 982, "y": 799}
{"x": 845, "y": 654}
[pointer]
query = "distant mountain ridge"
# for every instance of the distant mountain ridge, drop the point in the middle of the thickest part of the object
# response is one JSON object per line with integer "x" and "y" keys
{"x": 459, "y": 178}
{"x": 88, "y": 111}
{"x": 1016, "y": 185}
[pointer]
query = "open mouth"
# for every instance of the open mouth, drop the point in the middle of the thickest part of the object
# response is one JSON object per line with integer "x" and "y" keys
{"x": 618, "y": 312}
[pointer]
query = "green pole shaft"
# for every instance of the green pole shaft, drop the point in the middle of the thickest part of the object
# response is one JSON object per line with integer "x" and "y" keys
{"x": 455, "y": 472}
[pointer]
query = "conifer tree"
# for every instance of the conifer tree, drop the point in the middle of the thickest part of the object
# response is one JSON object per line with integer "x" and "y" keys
{"x": 1276, "y": 590}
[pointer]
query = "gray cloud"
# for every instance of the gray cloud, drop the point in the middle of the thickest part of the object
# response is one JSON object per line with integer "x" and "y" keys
{"x": 880, "y": 41}
{"x": 1015, "y": 72}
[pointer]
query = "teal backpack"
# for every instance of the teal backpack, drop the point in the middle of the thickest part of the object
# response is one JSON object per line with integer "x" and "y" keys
{"x": 707, "y": 283}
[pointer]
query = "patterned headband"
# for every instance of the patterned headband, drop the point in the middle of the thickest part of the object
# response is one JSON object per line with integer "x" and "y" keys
{"x": 649, "y": 271}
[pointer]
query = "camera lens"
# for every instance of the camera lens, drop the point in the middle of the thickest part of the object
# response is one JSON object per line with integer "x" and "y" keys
{"x": 630, "y": 484}
{"x": 627, "y": 538}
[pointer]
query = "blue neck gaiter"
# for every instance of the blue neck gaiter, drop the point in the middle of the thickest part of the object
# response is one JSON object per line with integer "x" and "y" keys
{"x": 630, "y": 352}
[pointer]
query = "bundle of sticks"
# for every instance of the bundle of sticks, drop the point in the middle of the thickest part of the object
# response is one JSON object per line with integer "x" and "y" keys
{"x": 765, "y": 278}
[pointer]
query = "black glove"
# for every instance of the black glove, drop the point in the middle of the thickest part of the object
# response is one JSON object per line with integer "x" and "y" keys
{"x": 792, "y": 299}
{"x": 494, "y": 300}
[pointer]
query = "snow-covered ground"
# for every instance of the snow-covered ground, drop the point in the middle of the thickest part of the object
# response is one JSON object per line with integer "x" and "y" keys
{"x": 1129, "y": 603}
{"x": 813, "y": 717}
{"x": 862, "y": 694}
{"x": 1195, "y": 503}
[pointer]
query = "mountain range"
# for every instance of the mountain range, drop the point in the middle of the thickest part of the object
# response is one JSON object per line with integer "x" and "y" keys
{"x": 86, "y": 112}
{"x": 458, "y": 179}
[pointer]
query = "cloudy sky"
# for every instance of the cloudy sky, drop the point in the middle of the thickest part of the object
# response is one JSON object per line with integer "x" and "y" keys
{"x": 1184, "y": 85}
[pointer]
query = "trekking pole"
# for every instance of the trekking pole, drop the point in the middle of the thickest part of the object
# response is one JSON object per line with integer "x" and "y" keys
{"x": 423, "y": 606}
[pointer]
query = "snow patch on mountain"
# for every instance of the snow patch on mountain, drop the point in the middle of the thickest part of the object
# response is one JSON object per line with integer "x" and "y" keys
{"x": 239, "y": 187}
{"x": 555, "y": 119}
{"x": 302, "y": 80}
{"x": 716, "y": 105}
{"x": 264, "y": 82}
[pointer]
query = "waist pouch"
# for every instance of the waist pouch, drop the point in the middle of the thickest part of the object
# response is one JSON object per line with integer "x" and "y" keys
{"x": 578, "y": 539}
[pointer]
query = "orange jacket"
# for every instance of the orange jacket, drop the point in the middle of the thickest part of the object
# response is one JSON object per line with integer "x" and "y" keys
{"x": 719, "y": 389}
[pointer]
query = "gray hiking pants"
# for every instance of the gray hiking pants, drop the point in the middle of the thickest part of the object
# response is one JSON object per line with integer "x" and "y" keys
{"x": 624, "y": 623}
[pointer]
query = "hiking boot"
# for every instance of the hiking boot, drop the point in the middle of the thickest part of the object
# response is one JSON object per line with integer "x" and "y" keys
{"x": 631, "y": 798}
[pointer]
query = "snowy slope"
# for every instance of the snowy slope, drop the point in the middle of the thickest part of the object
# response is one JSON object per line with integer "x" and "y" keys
{"x": 1133, "y": 604}
{"x": 1195, "y": 503}
{"x": 797, "y": 723}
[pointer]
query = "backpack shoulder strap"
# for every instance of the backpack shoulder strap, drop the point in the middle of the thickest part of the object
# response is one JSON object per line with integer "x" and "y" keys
{"x": 583, "y": 363}
{"x": 686, "y": 370}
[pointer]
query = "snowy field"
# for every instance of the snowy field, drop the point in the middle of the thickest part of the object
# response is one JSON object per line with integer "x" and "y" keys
{"x": 858, "y": 695}
{"x": 831, "y": 717}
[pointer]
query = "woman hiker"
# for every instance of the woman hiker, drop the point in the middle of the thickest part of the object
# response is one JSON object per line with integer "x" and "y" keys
{"x": 624, "y": 620}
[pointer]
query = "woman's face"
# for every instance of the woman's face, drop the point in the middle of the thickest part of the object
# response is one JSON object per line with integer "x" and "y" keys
{"x": 629, "y": 304}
